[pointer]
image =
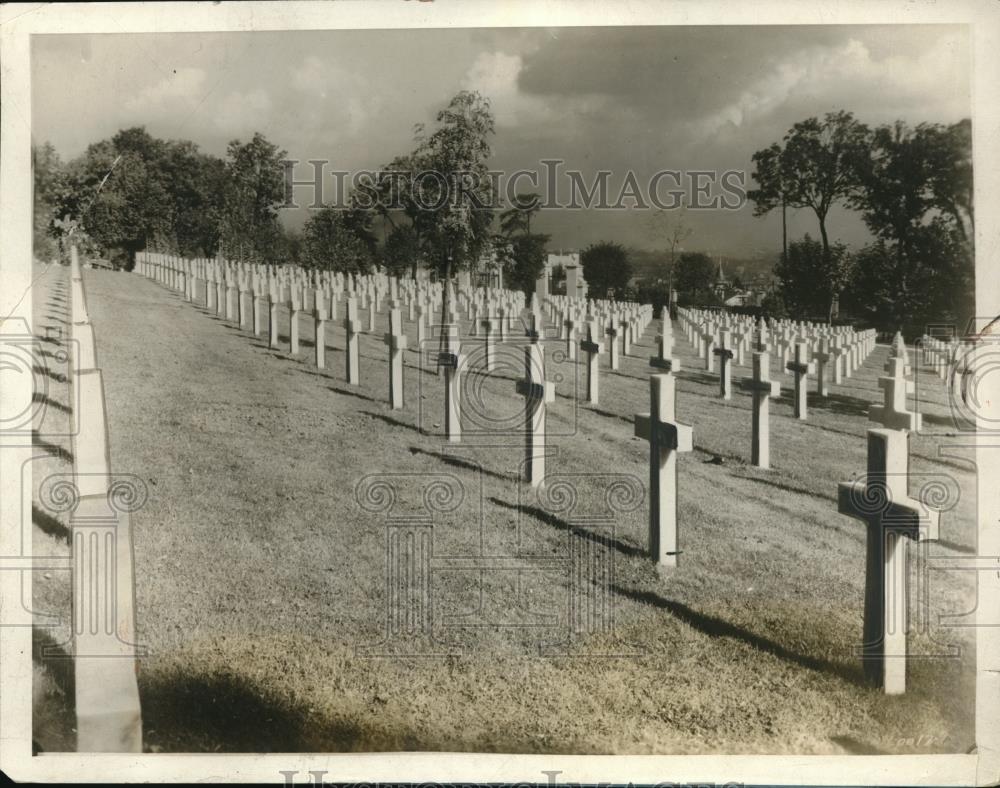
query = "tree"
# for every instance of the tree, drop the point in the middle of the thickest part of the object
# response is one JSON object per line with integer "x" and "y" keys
{"x": 527, "y": 260}
{"x": 254, "y": 191}
{"x": 772, "y": 305}
{"x": 694, "y": 278}
{"x": 402, "y": 250}
{"x": 606, "y": 268}
{"x": 557, "y": 280}
{"x": 916, "y": 199}
{"x": 933, "y": 284}
{"x": 950, "y": 154}
{"x": 517, "y": 218}
{"x": 117, "y": 193}
{"x": 49, "y": 185}
{"x": 452, "y": 189}
{"x": 196, "y": 183}
{"x": 394, "y": 199}
{"x": 815, "y": 169}
{"x": 672, "y": 230}
{"x": 810, "y": 279}
{"x": 330, "y": 242}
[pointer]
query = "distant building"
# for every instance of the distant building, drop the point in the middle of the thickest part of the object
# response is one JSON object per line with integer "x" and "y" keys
{"x": 568, "y": 262}
{"x": 721, "y": 285}
{"x": 562, "y": 260}
{"x": 489, "y": 268}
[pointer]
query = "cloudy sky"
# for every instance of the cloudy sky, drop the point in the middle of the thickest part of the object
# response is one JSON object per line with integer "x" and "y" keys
{"x": 641, "y": 99}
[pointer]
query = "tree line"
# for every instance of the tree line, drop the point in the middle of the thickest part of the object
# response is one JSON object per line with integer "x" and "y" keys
{"x": 134, "y": 191}
{"x": 912, "y": 187}
{"x": 913, "y": 190}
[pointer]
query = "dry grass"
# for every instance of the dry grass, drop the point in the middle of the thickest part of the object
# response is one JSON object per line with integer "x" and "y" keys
{"x": 260, "y": 577}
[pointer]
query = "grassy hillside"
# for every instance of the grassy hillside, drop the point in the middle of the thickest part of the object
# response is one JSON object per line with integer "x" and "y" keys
{"x": 262, "y": 581}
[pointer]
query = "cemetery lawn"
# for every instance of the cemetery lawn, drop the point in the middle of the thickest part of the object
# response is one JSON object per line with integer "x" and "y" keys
{"x": 261, "y": 581}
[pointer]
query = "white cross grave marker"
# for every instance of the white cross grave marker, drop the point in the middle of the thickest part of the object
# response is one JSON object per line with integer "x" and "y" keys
{"x": 451, "y": 361}
{"x": 665, "y": 347}
{"x": 537, "y": 393}
{"x": 395, "y": 340}
{"x": 319, "y": 325}
{"x": 593, "y": 347}
{"x": 893, "y": 413}
{"x": 725, "y": 353}
{"x": 352, "y": 327}
{"x": 763, "y": 388}
{"x": 801, "y": 369}
{"x": 666, "y": 438}
{"x": 883, "y": 503}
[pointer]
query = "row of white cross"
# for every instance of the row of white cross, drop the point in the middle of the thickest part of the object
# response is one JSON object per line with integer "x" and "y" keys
{"x": 805, "y": 349}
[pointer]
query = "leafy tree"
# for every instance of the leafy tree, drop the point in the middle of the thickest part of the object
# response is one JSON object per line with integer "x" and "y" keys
{"x": 331, "y": 242}
{"x": 402, "y": 250}
{"x": 288, "y": 247}
{"x": 196, "y": 183}
{"x": 135, "y": 190}
{"x": 49, "y": 179}
{"x": 527, "y": 261}
{"x": 695, "y": 275}
{"x": 810, "y": 278}
{"x": 254, "y": 192}
{"x": 393, "y": 198}
{"x": 557, "y": 281}
{"x": 916, "y": 199}
{"x": 933, "y": 283}
{"x": 517, "y": 218}
{"x": 907, "y": 173}
{"x": 606, "y": 268}
{"x": 815, "y": 168}
{"x": 452, "y": 188}
{"x": 773, "y": 305}
{"x": 117, "y": 193}
{"x": 950, "y": 153}
{"x": 455, "y": 193}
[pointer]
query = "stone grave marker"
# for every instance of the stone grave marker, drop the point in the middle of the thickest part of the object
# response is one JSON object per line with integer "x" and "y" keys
{"x": 666, "y": 438}
{"x": 882, "y": 502}
{"x": 537, "y": 393}
{"x": 801, "y": 369}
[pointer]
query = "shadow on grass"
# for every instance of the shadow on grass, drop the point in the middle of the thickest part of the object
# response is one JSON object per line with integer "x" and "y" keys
{"x": 792, "y": 488}
{"x": 608, "y": 414}
{"x": 227, "y": 712}
{"x": 458, "y": 462}
{"x": 737, "y": 459}
{"x": 50, "y": 525}
{"x": 53, "y": 719}
{"x": 58, "y": 377}
{"x": 48, "y": 402}
{"x": 836, "y": 403}
{"x": 550, "y": 519}
{"x": 697, "y": 377}
{"x": 958, "y": 425}
{"x": 389, "y": 420}
{"x": 357, "y": 394}
{"x": 716, "y": 627}
{"x": 56, "y": 451}
{"x": 621, "y": 374}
